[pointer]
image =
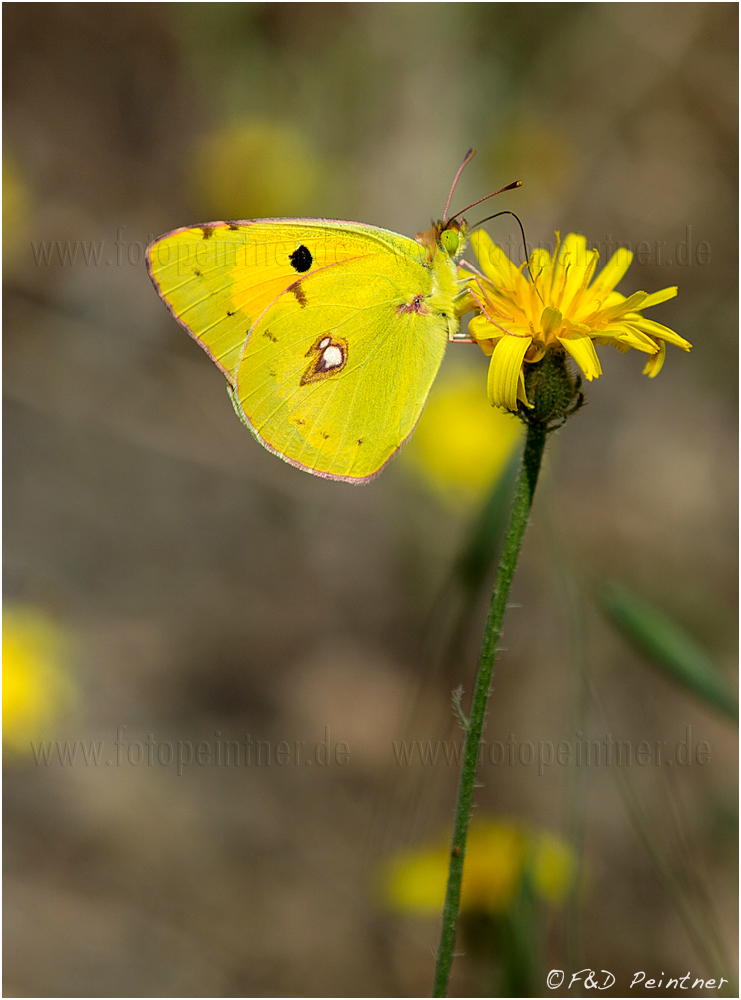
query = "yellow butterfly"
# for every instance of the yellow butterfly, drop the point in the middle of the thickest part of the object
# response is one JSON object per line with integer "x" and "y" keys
{"x": 330, "y": 333}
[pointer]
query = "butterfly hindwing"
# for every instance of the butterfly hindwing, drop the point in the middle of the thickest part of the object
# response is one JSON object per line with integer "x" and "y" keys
{"x": 336, "y": 372}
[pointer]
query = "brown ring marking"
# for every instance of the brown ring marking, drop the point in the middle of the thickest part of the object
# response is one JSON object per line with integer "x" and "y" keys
{"x": 317, "y": 369}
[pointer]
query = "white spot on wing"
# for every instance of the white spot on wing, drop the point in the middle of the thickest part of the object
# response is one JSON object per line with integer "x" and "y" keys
{"x": 332, "y": 356}
{"x": 323, "y": 343}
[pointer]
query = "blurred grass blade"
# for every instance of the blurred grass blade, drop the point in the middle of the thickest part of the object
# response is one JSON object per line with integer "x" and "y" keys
{"x": 669, "y": 647}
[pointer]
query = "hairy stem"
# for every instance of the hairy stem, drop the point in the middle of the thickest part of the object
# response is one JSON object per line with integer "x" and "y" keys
{"x": 531, "y": 461}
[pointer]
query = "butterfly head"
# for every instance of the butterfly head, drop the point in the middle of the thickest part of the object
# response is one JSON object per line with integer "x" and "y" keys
{"x": 444, "y": 237}
{"x": 451, "y": 236}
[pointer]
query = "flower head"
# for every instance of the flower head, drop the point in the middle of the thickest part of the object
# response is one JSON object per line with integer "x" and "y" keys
{"x": 557, "y": 308}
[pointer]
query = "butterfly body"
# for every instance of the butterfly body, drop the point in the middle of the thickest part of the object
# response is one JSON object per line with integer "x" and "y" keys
{"x": 329, "y": 333}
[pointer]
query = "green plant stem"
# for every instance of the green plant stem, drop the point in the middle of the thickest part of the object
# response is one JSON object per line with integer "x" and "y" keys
{"x": 528, "y": 479}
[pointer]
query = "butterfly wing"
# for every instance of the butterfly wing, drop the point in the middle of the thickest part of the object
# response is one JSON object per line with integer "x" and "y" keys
{"x": 217, "y": 279}
{"x": 320, "y": 328}
{"x": 334, "y": 379}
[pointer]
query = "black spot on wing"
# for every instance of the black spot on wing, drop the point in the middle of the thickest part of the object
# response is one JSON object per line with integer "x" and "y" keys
{"x": 207, "y": 231}
{"x": 301, "y": 259}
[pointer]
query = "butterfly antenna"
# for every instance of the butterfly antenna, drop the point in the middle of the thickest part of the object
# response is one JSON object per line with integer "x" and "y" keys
{"x": 466, "y": 160}
{"x": 524, "y": 240}
{"x": 514, "y": 184}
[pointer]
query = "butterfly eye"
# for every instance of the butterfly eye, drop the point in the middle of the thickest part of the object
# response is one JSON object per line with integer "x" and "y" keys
{"x": 450, "y": 241}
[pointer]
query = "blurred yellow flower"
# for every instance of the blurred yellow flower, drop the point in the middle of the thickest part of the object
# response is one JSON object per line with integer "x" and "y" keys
{"x": 460, "y": 445}
{"x": 255, "y": 168}
{"x": 499, "y": 856}
{"x": 553, "y": 867}
{"x": 36, "y": 687}
{"x": 16, "y": 210}
{"x": 555, "y": 308}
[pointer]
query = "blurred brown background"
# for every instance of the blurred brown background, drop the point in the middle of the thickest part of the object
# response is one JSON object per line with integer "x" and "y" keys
{"x": 212, "y": 589}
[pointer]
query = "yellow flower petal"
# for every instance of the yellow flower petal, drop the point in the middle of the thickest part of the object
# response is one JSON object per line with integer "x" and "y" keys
{"x": 481, "y": 329}
{"x": 656, "y": 297}
{"x": 662, "y": 332}
{"x": 611, "y": 342}
{"x": 571, "y": 303}
{"x": 521, "y": 394}
{"x": 495, "y": 263}
{"x": 627, "y": 305}
{"x": 487, "y": 346}
{"x": 535, "y": 352}
{"x": 464, "y": 302}
{"x": 550, "y": 322}
{"x": 655, "y": 363}
{"x": 504, "y": 371}
{"x": 569, "y": 270}
{"x": 613, "y": 271}
{"x": 605, "y": 301}
{"x": 540, "y": 261}
{"x": 582, "y": 351}
{"x": 629, "y": 336}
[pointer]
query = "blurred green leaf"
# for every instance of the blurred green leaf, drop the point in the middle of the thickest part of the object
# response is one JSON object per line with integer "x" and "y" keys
{"x": 669, "y": 647}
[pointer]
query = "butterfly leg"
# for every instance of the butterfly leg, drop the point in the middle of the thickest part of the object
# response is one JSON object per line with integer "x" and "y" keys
{"x": 485, "y": 310}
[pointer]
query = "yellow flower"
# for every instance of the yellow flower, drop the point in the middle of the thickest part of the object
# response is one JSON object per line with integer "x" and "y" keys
{"x": 255, "y": 168}
{"x": 36, "y": 688}
{"x": 555, "y": 308}
{"x": 461, "y": 446}
{"x": 499, "y": 856}
{"x": 17, "y": 202}
{"x": 553, "y": 867}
